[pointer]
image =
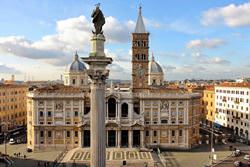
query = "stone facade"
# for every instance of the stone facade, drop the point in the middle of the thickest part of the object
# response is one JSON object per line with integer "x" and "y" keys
{"x": 62, "y": 119}
{"x": 12, "y": 106}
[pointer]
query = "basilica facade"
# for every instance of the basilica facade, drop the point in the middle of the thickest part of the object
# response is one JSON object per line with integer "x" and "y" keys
{"x": 146, "y": 113}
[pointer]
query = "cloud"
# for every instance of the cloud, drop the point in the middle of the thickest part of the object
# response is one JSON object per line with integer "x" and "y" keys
{"x": 204, "y": 59}
{"x": 206, "y": 43}
{"x": 8, "y": 70}
{"x": 116, "y": 31}
{"x": 168, "y": 68}
{"x": 71, "y": 34}
{"x": 231, "y": 15}
{"x": 218, "y": 60}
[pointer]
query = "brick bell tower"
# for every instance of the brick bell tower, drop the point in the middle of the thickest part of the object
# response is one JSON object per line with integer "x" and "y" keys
{"x": 140, "y": 61}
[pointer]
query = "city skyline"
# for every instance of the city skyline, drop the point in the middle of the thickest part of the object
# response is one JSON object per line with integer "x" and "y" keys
{"x": 189, "y": 39}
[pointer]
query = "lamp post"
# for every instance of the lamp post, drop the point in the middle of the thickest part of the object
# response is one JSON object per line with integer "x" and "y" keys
{"x": 212, "y": 140}
{"x": 212, "y": 143}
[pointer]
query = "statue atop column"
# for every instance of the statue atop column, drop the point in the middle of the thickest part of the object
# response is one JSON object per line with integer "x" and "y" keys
{"x": 98, "y": 19}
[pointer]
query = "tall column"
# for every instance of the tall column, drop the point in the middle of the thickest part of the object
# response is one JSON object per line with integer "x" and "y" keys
{"x": 130, "y": 140}
{"x": 97, "y": 125}
{"x": 119, "y": 138}
{"x": 142, "y": 139}
{"x": 97, "y": 73}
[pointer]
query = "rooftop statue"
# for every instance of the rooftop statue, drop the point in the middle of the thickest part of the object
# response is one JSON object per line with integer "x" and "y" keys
{"x": 98, "y": 19}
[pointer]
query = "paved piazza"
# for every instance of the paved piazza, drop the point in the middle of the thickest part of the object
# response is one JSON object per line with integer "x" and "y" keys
{"x": 114, "y": 155}
{"x": 195, "y": 158}
{"x": 82, "y": 155}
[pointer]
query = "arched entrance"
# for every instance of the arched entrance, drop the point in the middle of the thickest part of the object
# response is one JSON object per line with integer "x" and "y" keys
{"x": 111, "y": 107}
{"x": 136, "y": 138}
{"x": 124, "y": 138}
{"x": 86, "y": 138}
{"x": 111, "y": 138}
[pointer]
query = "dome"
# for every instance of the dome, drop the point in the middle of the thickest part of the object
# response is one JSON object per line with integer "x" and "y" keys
{"x": 154, "y": 67}
{"x": 76, "y": 65}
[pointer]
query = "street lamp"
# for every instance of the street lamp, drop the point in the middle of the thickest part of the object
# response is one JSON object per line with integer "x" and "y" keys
{"x": 212, "y": 139}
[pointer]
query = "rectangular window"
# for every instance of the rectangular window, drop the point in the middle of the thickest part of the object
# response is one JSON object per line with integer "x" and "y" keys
{"x": 49, "y": 134}
{"x": 155, "y": 133}
{"x": 173, "y": 133}
{"x": 180, "y": 132}
{"x": 41, "y": 114}
{"x": 49, "y": 113}
{"x": 76, "y": 113}
{"x": 76, "y": 133}
{"x": 41, "y": 134}
{"x": 147, "y": 133}
{"x": 68, "y": 134}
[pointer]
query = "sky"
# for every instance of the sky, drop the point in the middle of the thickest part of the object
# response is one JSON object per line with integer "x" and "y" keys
{"x": 190, "y": 39}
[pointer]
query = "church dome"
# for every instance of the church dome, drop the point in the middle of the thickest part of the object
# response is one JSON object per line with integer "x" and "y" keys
{"x": 76, "y": 65}
{"x": 154, "y": 67}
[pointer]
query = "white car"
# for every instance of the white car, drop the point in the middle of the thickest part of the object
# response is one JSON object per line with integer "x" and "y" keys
{"x": 247, "y": 157}
{"x": 12, "y": 141}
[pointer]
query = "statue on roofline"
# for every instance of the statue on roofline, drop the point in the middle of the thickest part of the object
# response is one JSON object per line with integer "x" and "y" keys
{"x": 98, "y": 19}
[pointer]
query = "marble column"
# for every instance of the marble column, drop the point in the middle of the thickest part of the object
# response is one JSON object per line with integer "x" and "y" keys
{"x": 142, "y": 139}
{"x": 118, "y": 138}
{"x": 98, "y": 74}
{"x": 130, "y": 140}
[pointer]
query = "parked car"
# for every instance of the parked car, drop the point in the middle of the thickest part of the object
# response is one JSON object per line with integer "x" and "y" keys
{"x": 29, "y": 150}
{"x": 247, "y": 157}
{"x": 12, "y": 141}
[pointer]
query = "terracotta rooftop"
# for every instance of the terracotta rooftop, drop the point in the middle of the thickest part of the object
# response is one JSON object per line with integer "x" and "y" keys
{"x": 4, "y": 86}
{"x": 211, "y": 87}
{"x": 58, "y": 89}
{"x": 233, "y": 84}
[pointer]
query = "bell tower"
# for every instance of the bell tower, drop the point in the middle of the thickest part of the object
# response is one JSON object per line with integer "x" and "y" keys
{"x": 140, "y": 47}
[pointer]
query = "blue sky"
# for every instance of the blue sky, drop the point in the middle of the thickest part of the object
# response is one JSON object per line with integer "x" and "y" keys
{"x": 189, "y": 39}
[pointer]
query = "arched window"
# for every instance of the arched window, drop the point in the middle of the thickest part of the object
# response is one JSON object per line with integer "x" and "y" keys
{"x": 111, "y": 107}
{"x": 124, "y": 110}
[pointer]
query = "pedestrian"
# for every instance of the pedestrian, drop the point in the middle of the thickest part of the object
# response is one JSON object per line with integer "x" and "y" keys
{"x": 38, "y": 164}
{"x": 24, "y": 156}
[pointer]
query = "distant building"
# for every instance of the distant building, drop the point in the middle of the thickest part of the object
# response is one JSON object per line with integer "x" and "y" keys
{"x": 13, "y": 106}
{"x": 146, "y": 113}
{"x": 232, "y": 107}
{"x": 209, "y": 102}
